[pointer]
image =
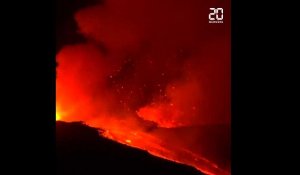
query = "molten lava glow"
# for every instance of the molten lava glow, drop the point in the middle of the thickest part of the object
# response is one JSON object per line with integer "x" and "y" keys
{"x": 158, "y": 81}
{"x": 128, "y": 141}
{"x": 168, "y": 151}
{"x": 58, "y": 117}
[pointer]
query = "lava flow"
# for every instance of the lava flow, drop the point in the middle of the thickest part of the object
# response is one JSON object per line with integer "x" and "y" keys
{"x": 154, "y": 145}
{"x": 154, "y": 75}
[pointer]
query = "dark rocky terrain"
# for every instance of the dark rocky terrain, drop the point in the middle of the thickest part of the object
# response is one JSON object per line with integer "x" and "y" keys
{"x": 80, "y": 150}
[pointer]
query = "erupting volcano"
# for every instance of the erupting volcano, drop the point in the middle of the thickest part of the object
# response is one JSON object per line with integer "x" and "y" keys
{"x": 153, "y": 74}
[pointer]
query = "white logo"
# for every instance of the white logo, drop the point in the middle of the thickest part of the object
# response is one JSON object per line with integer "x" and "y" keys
{"x": 216, "y": 16}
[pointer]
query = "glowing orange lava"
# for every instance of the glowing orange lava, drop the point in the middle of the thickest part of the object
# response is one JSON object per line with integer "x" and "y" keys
{"x": 58, "y": 113}
{"x": 128, "y": 141}
{"x": 160, "y": 148}
{"x": 58, "y": 116}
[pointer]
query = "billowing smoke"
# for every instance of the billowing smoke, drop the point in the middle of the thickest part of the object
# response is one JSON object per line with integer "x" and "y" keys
{"x": 153, "y": 66}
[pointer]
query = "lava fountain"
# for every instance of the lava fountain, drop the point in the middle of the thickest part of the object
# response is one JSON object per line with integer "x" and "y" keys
{"x": 154, "y": 75}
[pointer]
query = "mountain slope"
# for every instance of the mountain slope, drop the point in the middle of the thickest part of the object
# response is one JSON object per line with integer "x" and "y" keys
{"x": 80, "y": 150}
